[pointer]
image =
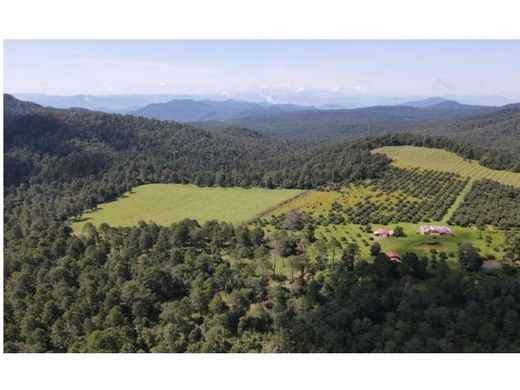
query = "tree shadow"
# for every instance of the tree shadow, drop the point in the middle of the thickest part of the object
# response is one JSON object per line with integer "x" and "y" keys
{"x": 83, "y": 219}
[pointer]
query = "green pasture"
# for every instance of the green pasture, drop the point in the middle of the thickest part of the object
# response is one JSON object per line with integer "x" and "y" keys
{"x": 417, "y": 243}
{"x": 168, "y": 203}
{"x": 489, "y": 241}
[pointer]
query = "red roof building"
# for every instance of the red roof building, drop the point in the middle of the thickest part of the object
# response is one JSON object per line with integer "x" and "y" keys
{"x": 393, "y": 256}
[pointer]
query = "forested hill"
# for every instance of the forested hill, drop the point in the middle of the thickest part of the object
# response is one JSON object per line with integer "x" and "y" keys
{"x": 59, "y": 163}
{"x": 14, "y": 107}
{"x": 499, "y": 131}
{"x": 188, "y": 110}
{"x": 43, "y": 145}
{"x": 60, "y": 145}
{"x": 332, "y": 125}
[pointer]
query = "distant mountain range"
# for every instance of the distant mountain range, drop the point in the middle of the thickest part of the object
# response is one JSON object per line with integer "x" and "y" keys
{"x": 110, "y": 103}
{"x": 428, "y": 102}
{"x": 493, "y": 128}
{"x": 188, "y": 110}
{"x": 328, "y": 125}
{"x": 321, "y": 99}
{"x": 301, "y": 122}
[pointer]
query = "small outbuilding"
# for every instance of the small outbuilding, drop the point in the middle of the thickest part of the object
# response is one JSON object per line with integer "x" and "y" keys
{"x": 382, "y": 232}
{"x": 440, "y": 230}
{"x": 393, "y": 257}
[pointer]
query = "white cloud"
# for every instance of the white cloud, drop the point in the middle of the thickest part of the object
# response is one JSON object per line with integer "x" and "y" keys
{"x": 335, "y": 88}
{"x": 103, "y": 87}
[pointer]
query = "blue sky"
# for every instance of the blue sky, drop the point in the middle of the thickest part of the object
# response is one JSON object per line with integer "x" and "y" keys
{"x": 228, "y": 68}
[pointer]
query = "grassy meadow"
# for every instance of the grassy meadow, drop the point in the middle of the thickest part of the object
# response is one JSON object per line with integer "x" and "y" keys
{"x": 168, "y": 203}
{"x": 490, "y": 241}
{"x": 441, "y": 160}
{"x": 414, "y": 242}
{"x": 318, "y": 204}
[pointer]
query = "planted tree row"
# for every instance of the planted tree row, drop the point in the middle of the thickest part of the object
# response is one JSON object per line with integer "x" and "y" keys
{"x": 403, "y": 195}
{"x": 489, "y": 203}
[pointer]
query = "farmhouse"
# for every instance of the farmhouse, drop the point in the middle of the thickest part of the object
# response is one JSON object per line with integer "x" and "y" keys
{"x": 440, "y": 230}
{"x": 393, "y": 256}
{"x": 382, "y": 232}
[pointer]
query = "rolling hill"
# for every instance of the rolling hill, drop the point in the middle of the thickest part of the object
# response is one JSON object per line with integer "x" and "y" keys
{"x": 61, "y": 145}
{"x": 498, "y": 129}
{"x": 14, "y": 107}
{"x": 188, "y": 110}
{"x": 330, "y": 125}
{"x": 424, "y": 102}
{"x": 495, "y": 132}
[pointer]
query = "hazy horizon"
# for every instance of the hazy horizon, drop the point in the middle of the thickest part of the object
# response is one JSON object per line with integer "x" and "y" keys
{"x": 263, "y": 69}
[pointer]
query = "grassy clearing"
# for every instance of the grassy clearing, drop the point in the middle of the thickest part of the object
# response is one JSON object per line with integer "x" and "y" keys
{"x": 167, "y": 203}
{"x": 318, "y": 203}
{"x": 414, "y": 242}
{"x": 490, "y": 241}
{"x": 441, "y": 160}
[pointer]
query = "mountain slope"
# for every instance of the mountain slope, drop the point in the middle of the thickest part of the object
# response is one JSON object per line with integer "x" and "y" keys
{"x": 499, "y": 131}
{"x": 64, "y": 145}
{"x": 332, "y": 125}
{"x": 424, "y": 102}
{"x": 188, "y": 110}
{"x": 14, "y": 107}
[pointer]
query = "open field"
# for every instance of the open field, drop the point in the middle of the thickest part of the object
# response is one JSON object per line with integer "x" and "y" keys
{"x": 441, "y": 160}
{"x": 387, "y": 195}
{"x": 167, "y": 203}
{"x": 490, "y": 241}
{"x": 414, "y": 242}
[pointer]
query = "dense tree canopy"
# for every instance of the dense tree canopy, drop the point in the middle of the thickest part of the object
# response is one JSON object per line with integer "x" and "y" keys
{"x": 191, "y": 288}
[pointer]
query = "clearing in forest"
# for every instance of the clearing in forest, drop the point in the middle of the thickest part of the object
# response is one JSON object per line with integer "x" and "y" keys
{"x": 168, "y": 203}
{"x": 442, "y": 160}
{"x": 407, "y": 198}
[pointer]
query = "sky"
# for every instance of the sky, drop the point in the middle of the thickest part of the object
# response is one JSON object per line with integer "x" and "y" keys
{"x": 257, "y": 68}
